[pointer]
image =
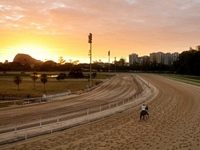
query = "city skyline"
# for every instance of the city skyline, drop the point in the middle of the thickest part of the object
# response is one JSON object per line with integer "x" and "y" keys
{"x": 197, "y": 48}
{"x": 48, "y": 29}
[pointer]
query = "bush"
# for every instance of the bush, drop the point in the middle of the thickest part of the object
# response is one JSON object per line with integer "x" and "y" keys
{"x": 61, "y": 76}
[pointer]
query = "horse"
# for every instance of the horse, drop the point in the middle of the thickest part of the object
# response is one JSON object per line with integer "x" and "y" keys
{"x": 144, "y": 114}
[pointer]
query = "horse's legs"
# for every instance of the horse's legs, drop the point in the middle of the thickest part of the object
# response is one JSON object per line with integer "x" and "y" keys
{"x": 141, "y": 116}
{"x": 147, "y": 115}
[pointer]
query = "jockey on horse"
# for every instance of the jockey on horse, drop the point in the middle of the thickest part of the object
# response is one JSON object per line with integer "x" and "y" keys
{"x": 144, "y": 111}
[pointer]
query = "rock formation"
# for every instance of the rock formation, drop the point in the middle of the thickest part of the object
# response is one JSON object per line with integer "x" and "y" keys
{"x": 26, "y": 59}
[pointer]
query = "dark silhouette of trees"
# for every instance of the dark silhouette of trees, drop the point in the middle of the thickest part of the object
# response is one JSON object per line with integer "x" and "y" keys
{"x": 48, "y": 66}
{"x": 17, "y": 80}
{"x": 188, "y": 63}
{"x": 44, "y": 80}
{"x": 94, "y": 74}
{"x": 61, "y": 76}
{"x": 76, "y": 73}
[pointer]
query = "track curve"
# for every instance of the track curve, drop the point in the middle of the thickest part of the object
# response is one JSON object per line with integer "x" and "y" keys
{"x": 117, "y": 88}
{"x": 174, "y": 123}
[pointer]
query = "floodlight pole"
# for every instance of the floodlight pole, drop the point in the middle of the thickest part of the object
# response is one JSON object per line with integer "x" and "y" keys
{"x": 90, "y": 41}
{"x": 115, "y": 64}
{"x": 109, "y": 61}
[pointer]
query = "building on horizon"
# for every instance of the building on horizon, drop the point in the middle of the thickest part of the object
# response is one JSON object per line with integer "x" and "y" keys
{"x": 198, "y": 47}
{"x": 133, "y": 58}
{"x": 175, "y": 56}
{"x": 6, "y": 62}
{"x": 155, "y": 57}
{"x": 152, "y": 57}
{"x": 167, "y": 59}
{"x": 144, "y": 60}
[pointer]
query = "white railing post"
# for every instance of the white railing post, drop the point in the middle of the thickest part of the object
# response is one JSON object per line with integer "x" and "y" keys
{"x": 88, "y": 111}
{"x": 15, "y": 128}
{"x": 58, "y": 120}
{"x": 40, "y": 122}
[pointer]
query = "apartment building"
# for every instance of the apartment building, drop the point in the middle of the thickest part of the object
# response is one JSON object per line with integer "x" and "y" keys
{"x": 157, "y": 57}
{"x": 167, "y": 59}
{"x": 198, "y": 47}
{"x": 175, "y": 56}
{"x": 133, "y": 58}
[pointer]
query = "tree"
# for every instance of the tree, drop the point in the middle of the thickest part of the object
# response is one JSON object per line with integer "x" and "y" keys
{"x": 34, "y": 78}
{"x": 61, "y": 76}
{"x": 61, "y": 60}
{"x": 122, "y": 61}
{"x": 44, "y": 80}
{"x": 188, "y": 63}
{"x": 72, "y": 64}
{"x": 17, "y": 80}
{"x": 94, "y": 74}
{"x": 76, "y": 73}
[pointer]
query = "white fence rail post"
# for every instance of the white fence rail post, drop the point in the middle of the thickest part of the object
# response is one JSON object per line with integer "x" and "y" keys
{"x": 58, "y": 120}
{"x": 40, "y": 122}
{"x": 88, "y": 111}
{"x": 15, "y": 128}
{"x": 25, "y": 136}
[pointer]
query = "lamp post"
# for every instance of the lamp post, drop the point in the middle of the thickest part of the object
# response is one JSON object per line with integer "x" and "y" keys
{"x": 115, "y": 64}
{"x": 90, "y": 51}
{"x": 108, "y": 61}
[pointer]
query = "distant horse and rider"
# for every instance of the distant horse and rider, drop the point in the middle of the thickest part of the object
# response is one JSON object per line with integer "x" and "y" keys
{"x": 144, "y": 113}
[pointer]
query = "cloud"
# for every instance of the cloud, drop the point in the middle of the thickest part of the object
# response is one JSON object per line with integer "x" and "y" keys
{"x": 117, "y": 17}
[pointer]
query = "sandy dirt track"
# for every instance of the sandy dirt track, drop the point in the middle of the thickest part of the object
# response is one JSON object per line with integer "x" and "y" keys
{"x": 174, "y": 123}
{"x": 117, "y": 88}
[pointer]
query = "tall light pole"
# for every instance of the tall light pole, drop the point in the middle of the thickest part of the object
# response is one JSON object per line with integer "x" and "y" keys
{"x": 90, "y": 41}
{"x": 109, "y": 61}
{"x": 115, "y": 64}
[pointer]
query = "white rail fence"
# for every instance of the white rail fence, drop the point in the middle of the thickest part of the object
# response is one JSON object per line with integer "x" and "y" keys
{"x": 30, "y": 128}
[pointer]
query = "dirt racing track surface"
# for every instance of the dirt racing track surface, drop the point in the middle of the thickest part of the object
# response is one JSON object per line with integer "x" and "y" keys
{"x": 174, "y": 121}
{"x": 115, "y": 89}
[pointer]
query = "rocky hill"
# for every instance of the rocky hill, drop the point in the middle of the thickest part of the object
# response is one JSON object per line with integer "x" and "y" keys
{"x": 26, "y": 59}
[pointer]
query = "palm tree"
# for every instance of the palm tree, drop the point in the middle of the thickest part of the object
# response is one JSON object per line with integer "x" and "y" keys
{"x": 43, "y": 79}
{"x": 34, "y": 78}
{"x": 17, "y": 80}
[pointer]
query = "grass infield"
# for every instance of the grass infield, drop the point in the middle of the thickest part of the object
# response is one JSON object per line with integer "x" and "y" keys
{"x": 194, "y": 80}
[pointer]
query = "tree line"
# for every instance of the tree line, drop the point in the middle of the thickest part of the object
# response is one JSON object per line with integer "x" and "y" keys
{"x": 187, "y": 63}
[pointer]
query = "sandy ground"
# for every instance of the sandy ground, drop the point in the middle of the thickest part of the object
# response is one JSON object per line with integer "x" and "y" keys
{"x": 174, "y": 123}
{"x": 117, "y": 88}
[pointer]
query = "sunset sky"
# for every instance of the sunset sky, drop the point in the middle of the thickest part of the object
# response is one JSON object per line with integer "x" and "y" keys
{"x": 48, "y": 29}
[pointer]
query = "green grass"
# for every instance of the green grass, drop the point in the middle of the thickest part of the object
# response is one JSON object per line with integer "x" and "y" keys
{"x": 9, "y": 88}
{"x": 194, "y": 80}
{"x": 27, "y": 75}
{"x": 53, "y": 86}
